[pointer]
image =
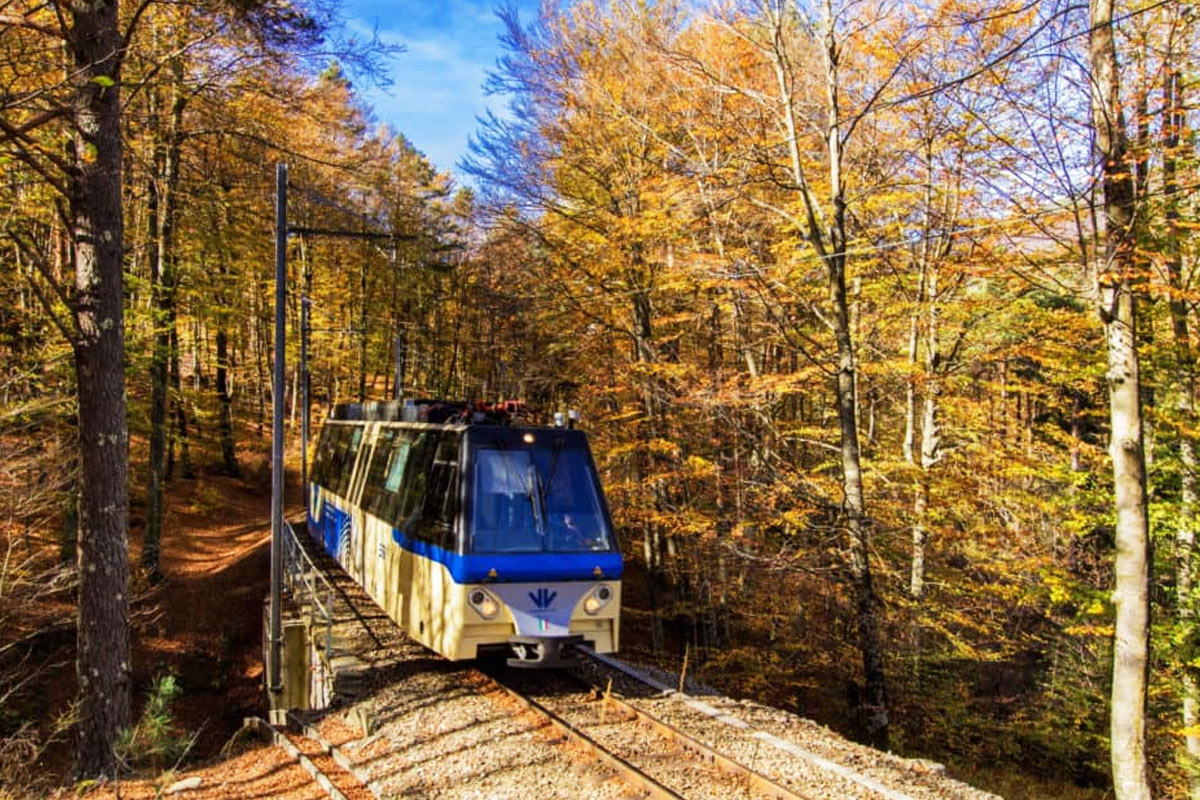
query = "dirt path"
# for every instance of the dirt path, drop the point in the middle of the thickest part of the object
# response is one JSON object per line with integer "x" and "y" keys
{"x": 216, "y": 560}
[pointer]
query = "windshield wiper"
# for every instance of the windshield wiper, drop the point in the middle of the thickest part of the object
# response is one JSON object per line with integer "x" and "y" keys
{"x": 533, "y": 490}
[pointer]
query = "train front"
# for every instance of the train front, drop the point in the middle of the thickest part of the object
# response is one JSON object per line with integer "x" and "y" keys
{"x": 541, "y": 561}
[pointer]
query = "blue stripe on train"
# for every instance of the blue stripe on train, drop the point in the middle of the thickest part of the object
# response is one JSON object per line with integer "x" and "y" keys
{"x": 333, "y": 531}
{"x": 515, "y": 567}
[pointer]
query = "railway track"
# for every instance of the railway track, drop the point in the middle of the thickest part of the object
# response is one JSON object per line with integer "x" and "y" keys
{"x": 648, "y": 753}
{"x": 779, "y": 762}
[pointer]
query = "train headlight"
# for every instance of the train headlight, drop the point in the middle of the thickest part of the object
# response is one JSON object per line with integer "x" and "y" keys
{"x": 484, "y": 604}
{"x": 597, "y": 599}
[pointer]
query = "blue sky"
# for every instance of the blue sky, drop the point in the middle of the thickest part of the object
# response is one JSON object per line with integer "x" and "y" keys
{"x": 437, "y": 84}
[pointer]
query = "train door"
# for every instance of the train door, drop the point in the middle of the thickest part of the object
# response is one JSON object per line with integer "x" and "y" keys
{"x": 432, "y": 505}
{"x": 344, "y": 446}
{"x": 376, "y": 494}
{"x": 394, "y": 561}
{"x": 413, "y": 580}
{"x": 440, "y": 524}
{"x": 358, "y": 549}
{"x": 379, "y": 500}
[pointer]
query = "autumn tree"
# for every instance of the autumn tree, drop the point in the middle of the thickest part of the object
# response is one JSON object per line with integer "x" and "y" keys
{"x": 1117, "y": 307}
{"x": 801, "y": 45}
{"x": 82, "y": 92}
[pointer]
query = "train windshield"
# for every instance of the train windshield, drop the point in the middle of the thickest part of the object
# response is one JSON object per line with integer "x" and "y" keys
{"x": 537, "y": 500}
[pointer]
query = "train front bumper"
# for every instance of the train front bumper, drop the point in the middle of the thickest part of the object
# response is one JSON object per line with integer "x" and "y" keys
{"x": 542, "y": 651}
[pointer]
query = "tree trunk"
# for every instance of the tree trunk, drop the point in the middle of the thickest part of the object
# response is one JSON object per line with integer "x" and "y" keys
{"x": 1185, "y": 532}
{"x": 164, "y": 184}
{"x": 910, "y": 385}
{"x": 178, "y": 404}
{"x": 103, "y": 655}
{"x": 642, "y": 318}
{"x": 1117, "y": 306}
{"x": 1131, "y": 594}
{"x": 229, "y": 462}
{"x": 826, "y": 234}
{"x": 260, "y": 362}
{"x": 931, "y": 438}
{"x": 362, "y": 333}
{"x": 158, "y": 372}
{"x": 858, "y": 525}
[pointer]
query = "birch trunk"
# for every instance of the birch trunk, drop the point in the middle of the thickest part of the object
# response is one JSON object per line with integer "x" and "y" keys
{"x": 931, "y": 439}
{"x": 642, "y": 316}
{"x": 827, "y": 237}
{"x": 910, "y": 387}
{"x": 1118, "y": 311}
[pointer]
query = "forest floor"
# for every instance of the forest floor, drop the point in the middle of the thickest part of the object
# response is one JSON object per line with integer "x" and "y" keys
{"x": 201, "y": 625}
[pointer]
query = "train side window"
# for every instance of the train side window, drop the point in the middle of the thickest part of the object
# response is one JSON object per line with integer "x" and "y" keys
{"x": 331, "y": 456}
{"x": 382, "y": 494}
{"x": 342, "y": 463}
{"x": 347, "y": 468}
{"x": 439, "y": 507}
{"x": 395, "y": 468}
{"x": 400, "y": 468}
{"x": 324, "y": 454}
{"x": 416, "y": 477}
{"x": 372, "y": 495}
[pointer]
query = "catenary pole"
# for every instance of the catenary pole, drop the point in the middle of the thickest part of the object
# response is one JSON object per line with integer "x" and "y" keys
{"x": 305, "y": 424}
{"x": 274, "y": 681}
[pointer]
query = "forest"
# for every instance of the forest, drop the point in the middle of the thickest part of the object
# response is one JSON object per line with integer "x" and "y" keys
{"x": 880, "y": 316}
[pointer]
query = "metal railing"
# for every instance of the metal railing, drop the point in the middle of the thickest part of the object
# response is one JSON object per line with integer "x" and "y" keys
{"x": 308, "y": 584}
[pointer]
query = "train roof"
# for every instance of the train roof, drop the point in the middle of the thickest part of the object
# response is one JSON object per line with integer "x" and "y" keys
{"x": 447, "y": 413}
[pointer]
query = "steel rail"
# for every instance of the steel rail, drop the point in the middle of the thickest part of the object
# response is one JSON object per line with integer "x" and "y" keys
{"x": 629, "y": 773}
{"x": 790, "y": 748}
{"x": 335, "y": 752}
{"x": 755, "y": 781}
{"x": 636, "y": 777}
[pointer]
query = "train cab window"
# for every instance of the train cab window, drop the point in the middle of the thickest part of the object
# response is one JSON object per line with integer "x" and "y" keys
{"x": 537, "y": 500}
{"x": 506, "y": 500}
{"x": 575, "y": 521}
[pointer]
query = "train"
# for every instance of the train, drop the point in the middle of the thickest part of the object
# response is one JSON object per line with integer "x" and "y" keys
{"x": 479, "y": 534}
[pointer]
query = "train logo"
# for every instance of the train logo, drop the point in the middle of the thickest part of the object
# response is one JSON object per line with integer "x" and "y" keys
{"x": 542, "y": 598}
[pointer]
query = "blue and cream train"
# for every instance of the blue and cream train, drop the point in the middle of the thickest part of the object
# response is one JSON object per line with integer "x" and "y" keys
{"x": 474, "y": 535}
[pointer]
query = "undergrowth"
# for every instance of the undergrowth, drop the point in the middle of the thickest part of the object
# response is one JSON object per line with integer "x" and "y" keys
{"x": 156, "y": 744}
